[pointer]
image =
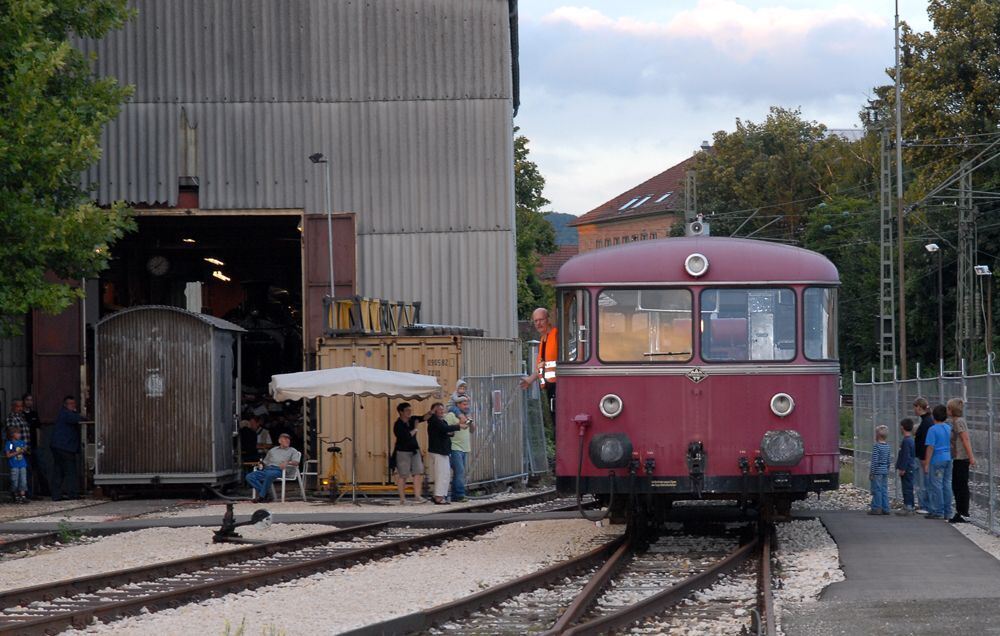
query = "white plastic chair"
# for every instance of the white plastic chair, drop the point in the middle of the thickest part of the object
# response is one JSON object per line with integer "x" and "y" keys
{"x": 291, "y": 473}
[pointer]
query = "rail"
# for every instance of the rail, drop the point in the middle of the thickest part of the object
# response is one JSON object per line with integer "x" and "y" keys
{"x": 606, "y": 560}
{"x": 16, "y": 617}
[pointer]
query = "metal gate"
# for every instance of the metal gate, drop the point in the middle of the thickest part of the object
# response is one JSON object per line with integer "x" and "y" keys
{"x": 888, "y": 402}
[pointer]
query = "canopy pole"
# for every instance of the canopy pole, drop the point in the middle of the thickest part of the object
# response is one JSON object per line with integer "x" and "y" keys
{"x": 354, "y": 449}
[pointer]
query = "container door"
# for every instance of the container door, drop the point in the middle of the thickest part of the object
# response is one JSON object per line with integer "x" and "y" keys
{"x": 366, "y": 420}
{"x": 438, "y": 357}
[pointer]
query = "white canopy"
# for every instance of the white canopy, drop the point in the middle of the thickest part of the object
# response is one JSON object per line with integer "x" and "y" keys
{"x": 361, "y": 381}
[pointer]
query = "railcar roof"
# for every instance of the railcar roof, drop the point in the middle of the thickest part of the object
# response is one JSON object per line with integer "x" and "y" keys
{"x": 730, "y": 260}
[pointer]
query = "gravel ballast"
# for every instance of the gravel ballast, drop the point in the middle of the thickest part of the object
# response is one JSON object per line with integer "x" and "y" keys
{"x": 97, "y": 555}
{"x": 343, "y": 599}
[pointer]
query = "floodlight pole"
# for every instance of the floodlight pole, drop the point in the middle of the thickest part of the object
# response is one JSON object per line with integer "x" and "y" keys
{"x": 899, "y": 209}
{"x": 318, "y": 158}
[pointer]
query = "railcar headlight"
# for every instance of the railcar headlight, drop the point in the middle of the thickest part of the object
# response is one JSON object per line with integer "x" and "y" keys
{"x": 611, "y": 405}
{"x": 613, "y": 450}
{"x": 782, "y": 448}
{"x": 696, "y": 264}
{"x": 782, "y": 404}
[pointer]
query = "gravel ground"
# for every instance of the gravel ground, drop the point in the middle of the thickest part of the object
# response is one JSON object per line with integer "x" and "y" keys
{"x": 720, "y": 610}
{"x": 95, "y": 555}
{"x": 343, "y": 599}
{"x": 988, "y": 542}
{"x": 807, "y": 560}
{"x": 25, "y": 512}
{"x": 846, "y": 498}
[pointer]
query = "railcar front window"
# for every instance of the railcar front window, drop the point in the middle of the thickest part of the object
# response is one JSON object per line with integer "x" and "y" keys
{"x": 742, "y": 325}
{"x": 574, "y": 326}
{"x": 644, "y": 325}
{"x": 820, "y": 318}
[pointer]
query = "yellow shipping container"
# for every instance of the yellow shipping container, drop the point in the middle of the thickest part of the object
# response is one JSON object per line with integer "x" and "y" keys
{"x": 447, "y": 358}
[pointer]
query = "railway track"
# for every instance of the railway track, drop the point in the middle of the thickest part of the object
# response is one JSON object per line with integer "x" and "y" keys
{"x": 45, "y": 609}
{"x": 610, "y": 587}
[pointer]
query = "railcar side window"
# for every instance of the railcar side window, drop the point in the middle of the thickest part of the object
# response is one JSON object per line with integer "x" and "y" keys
{"x": 820, "y": 317}
{"x": 739, "y": 325}
{"x": 644, "y": 325}
{"x": 574, "y": 326}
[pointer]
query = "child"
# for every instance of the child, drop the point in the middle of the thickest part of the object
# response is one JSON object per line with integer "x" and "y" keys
{"x": 905, "y": 464}
{"x": 14, "y": 449}
{"x": 879, "y": 474}
{"x": 937, "y": 464}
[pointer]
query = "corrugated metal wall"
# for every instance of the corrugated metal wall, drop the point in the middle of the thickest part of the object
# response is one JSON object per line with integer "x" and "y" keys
{"x": 410, "y": 98}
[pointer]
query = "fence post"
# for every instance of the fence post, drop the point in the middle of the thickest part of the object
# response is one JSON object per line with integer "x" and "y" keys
{"x": 493, "y": 426}
{"x": 899, "y": 388}
{"x": 989, "y": 461}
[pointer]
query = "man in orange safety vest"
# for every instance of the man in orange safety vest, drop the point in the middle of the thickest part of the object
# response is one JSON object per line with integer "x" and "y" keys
{"x": 545, "y": 364}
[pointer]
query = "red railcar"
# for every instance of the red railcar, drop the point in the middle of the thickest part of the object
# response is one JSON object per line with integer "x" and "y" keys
{"x": 697, "y": 368}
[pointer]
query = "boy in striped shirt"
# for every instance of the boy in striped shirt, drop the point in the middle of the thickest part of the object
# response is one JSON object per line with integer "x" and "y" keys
{"x": 879, "y": 474}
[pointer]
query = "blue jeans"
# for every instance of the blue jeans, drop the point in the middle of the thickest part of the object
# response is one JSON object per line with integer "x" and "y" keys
{"x": 459, "y": 462}
{"x": 921, "y": 486}
{"x": 261, "y": 480}
{"x": 19, "y": 480}
{"x": 907, "y": 483}
{"x": 939, "y": 478}
{"x": 880, "y": 492}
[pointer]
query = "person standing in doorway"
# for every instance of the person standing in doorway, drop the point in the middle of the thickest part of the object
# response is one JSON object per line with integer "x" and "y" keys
{"x": 922, "y": 409}
{"x": 961, "y": 459}
{"x": 545, "y": 363}
{"x": 39, "y": 459}
{"x": 65, "y": 446}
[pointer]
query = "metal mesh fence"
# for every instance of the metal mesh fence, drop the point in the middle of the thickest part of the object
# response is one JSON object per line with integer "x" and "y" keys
{"x": 509, "y": 437}
{"x": 888, "y": 402}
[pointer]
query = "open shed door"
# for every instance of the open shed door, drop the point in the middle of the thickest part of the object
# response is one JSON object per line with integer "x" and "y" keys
{"x": 316, "y": 269}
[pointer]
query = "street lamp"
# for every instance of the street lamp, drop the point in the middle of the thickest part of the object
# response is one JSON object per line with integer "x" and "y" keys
{"x": 984, "y": 270}
{"x": 933, "y": 248}
{"x": 318, "y": 158}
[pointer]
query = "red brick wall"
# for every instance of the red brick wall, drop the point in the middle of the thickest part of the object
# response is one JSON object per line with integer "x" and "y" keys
{"x": 597, "y": 235}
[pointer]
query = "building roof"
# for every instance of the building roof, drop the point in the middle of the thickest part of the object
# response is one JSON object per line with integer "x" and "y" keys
{"x": 730, "y": 260}
{"x": 661, "y": 193}
{"x": 549, "y": 264}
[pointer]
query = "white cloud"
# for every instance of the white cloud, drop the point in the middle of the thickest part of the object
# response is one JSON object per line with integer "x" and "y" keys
{"x": 611, "y": 99}
{"x": 735, "y": 29}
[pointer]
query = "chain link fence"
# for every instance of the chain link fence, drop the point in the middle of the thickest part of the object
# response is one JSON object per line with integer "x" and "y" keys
{"x": 509, "y": 441}
{"x": 889, "y": 402}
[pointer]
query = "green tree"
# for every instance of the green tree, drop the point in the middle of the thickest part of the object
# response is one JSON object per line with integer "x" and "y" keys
{"x": 951, "y": 112}
{"x": 534, "y": 234}
{"x": 52, "y": 110}
{"x": 766, "y": 176}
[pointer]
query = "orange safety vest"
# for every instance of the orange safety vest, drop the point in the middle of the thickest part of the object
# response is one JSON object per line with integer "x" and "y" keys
{"x": 548, "y": 351}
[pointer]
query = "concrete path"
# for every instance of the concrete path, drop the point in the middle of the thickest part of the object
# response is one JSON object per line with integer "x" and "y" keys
{"x": 904, "y": 575}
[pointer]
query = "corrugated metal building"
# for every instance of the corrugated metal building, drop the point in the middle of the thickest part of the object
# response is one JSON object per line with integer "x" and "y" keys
{"x": 411, "y": 99}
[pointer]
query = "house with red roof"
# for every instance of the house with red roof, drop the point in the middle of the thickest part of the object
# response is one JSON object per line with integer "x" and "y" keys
{"x": 549, "y": 264}
{"x": 647, "y": 211}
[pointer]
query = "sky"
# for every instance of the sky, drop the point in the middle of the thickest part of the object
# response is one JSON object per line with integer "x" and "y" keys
{"x": 616, "y": 91}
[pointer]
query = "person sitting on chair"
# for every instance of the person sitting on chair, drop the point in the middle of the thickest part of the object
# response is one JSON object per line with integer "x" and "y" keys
{"x": 275, "y": 462}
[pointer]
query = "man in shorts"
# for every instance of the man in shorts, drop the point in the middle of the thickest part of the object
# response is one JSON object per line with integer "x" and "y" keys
{"x": 409, "y": 462}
